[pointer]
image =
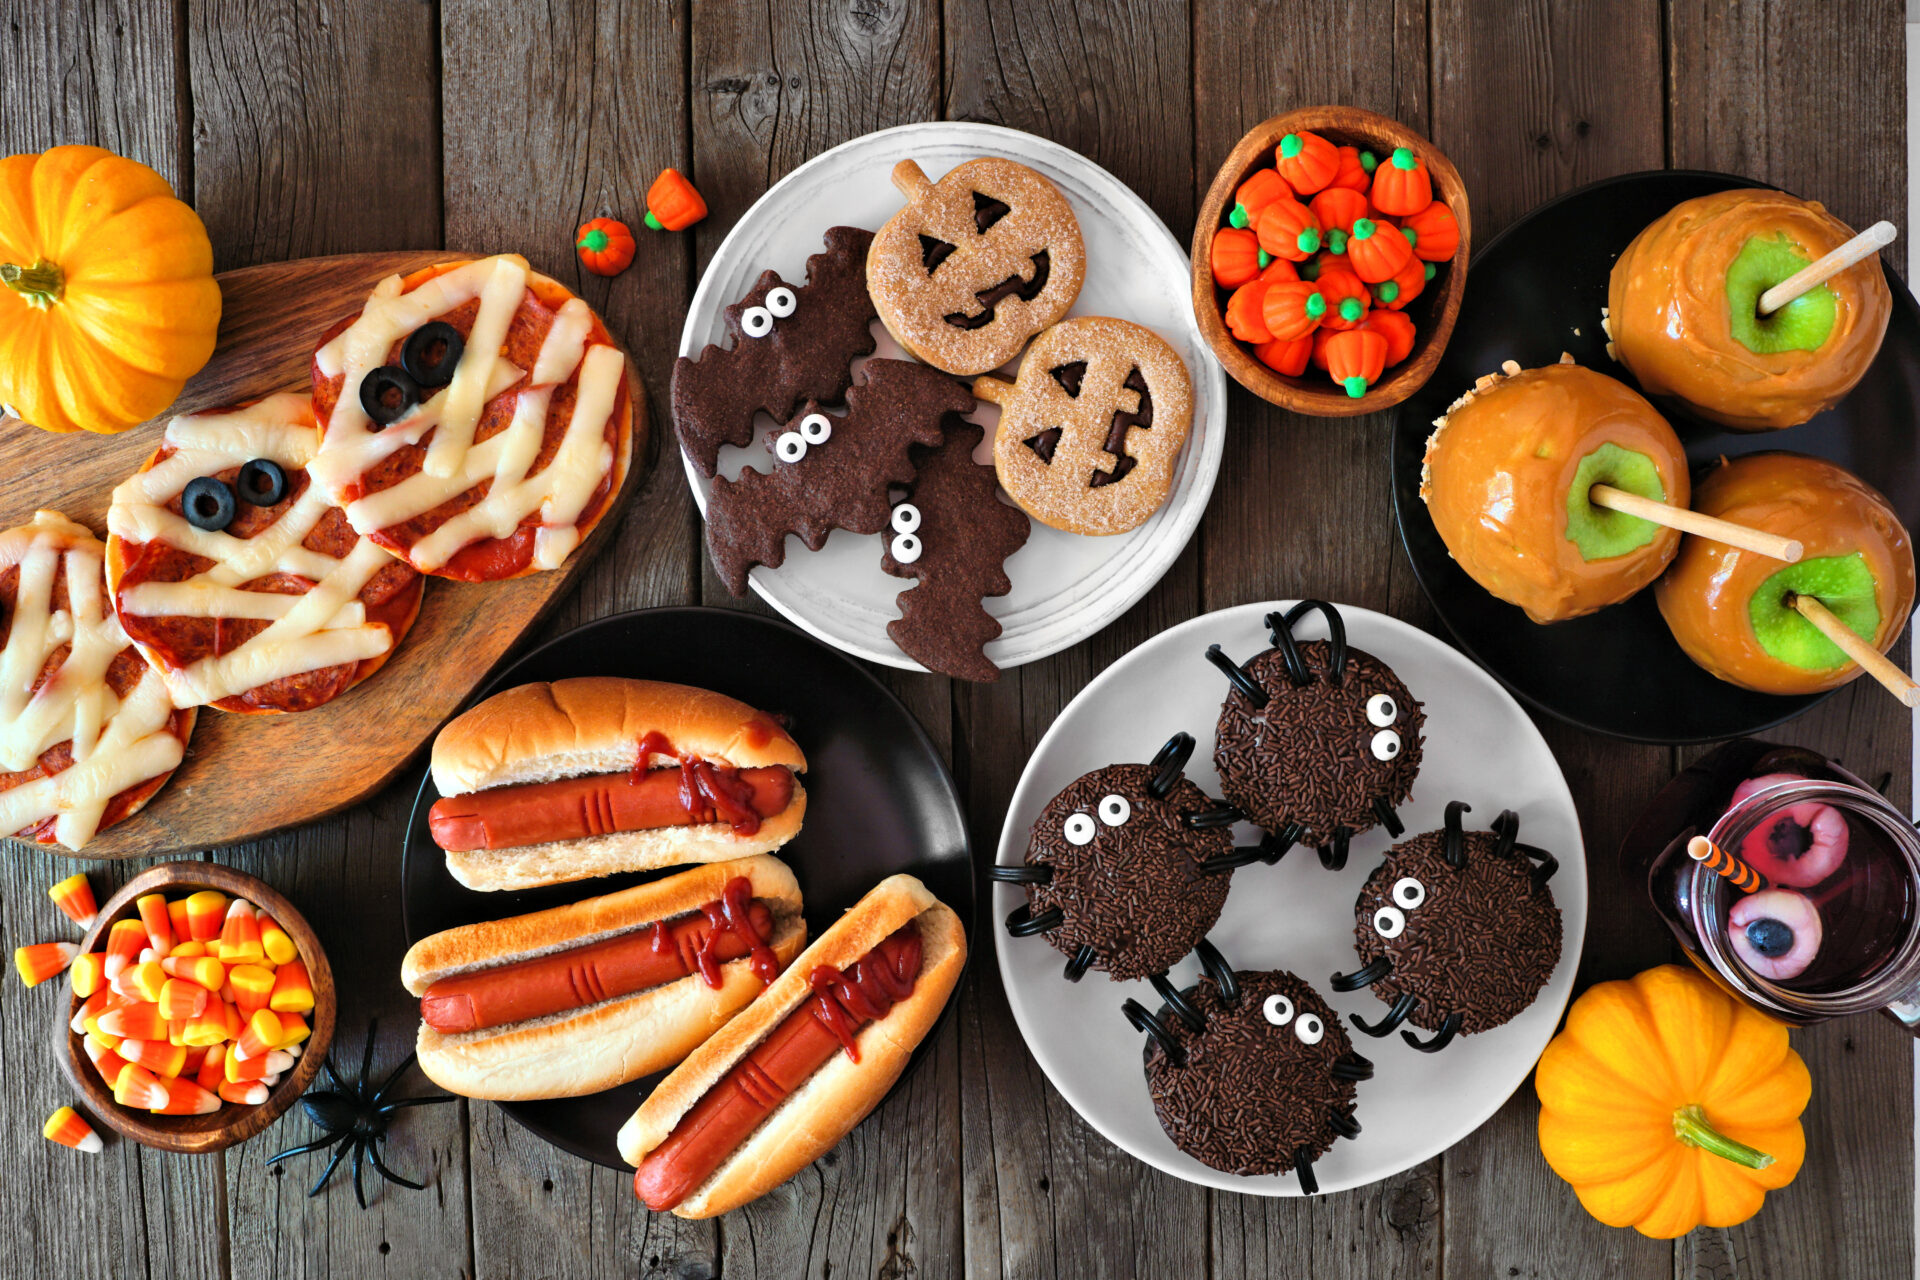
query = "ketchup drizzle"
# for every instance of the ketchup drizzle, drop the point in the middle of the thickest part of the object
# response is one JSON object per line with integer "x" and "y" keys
{"x": 709, "y": 792}
{"x": 652, "y": 743}
{"x": 847, "y": 1001}
{"x": 731, "y": 915}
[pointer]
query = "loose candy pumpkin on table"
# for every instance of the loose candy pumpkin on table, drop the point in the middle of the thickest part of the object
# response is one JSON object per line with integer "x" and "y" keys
{"x": 605, "y": 246}
{"x": 672, "y": 203}
{"x": 107, "y": 298}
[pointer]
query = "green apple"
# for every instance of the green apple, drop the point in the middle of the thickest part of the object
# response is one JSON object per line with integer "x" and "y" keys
{"x": 1842, "y": 583}
{"x": 1600, "y": 533}
{"x": 1801, "y": 325}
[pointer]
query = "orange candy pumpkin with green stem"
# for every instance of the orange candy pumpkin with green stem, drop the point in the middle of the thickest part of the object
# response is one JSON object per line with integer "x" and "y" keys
{"x": 1396, "y": 327}
{"x": 1405, "y": 285}
{"x": 1293, "y": 309}
{"x": 1286, "y": 356}
{"x": 1401, "y": 185}
{"x": 605, "y": 246}
{"x": 1245, "y": 312}
{"x": 1338, "y": 208}
{"x": 1435, "y": 235}
{"x": 1356, "y": 169}
{"x": 1347, "y": 298}
{"x": 1356, "y": 359}
{"x": 1307, "y": 161}
{"x": 1236, "y": 257}
{"x": 1288, "y": 229}
{"x": 1377, "y": 251}
{"x": 1261, "y": 189}
{"x": 672, "y": 203}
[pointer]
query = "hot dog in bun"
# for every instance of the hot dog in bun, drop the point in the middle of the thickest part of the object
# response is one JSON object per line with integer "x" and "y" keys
{"x": 580, "y": 998}
{"x": 545, "y": 783}
{"x": 777, "y": 1087}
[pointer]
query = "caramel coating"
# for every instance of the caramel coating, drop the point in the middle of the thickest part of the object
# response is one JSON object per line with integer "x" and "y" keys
{"x": 1667, "y": 312}
{"x": 1496, "y": 477}
{"x": 1704, "y": 597}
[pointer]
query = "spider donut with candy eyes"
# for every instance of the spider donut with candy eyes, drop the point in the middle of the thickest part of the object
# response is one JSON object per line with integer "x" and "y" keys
{"x": 1457, "y": 931}
{"x": 1317, "y": 742}
{"x": 1251, "y": 1073}
{"x": 1127, "y": 868}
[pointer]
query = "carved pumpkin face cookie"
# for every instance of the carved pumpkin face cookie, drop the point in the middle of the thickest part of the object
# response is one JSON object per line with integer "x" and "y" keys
{"x": 1090, "y": 431}
{"x": 976, "y": 264}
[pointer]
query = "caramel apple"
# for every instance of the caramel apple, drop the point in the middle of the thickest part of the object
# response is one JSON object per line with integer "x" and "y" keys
{"x": 1683, "y": 310}
{"x": 1733, "y": 611}
{"x": 1507, "y": 478}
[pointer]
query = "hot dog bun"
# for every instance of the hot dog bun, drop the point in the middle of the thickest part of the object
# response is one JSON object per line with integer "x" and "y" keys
{"x": 586, "y": 1050}
{"x": 839, "y": 1095}
{"x": 591, "y": 725}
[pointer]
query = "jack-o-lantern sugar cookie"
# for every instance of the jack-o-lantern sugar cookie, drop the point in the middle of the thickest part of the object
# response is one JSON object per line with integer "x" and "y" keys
{"x": 1090, "y": 431}
{"x": 477, "y": 419}
{"x": 87, "y": 731}
{"x": 238, "y": 578}
{"x": 976, "y": 264}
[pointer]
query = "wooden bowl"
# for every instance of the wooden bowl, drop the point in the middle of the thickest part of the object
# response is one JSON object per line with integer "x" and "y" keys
{"x": 231, "y": 1123}
{"x": 1432, "y": 312}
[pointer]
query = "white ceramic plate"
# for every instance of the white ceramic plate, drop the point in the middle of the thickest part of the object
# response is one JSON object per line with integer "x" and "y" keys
{"x": 1480, "y": 747}
{"x": 1065, "y": 587}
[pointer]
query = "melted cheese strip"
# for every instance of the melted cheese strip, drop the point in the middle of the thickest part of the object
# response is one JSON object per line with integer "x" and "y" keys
{"x": 115, "y": 745}
{"x": 559, "y": 492}
{"x": 325, "y": 627}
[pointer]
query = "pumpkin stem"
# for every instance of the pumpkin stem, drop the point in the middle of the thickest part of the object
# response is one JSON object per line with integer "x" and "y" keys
{"x": 1691, "y": 1127}
{"x": 39, "y": 285}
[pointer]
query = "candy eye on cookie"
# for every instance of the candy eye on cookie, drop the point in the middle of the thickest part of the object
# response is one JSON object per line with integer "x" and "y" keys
{"x": 814, "y": 429}
{"x": 905, "y": 543}
{"x": 780, "y": 302}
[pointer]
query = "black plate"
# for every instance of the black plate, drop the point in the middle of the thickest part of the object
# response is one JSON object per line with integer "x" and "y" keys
{"x": 1619, "y": 671}
{"x": 879, "y": 800}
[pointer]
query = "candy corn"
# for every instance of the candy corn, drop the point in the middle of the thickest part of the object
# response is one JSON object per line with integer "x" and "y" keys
{"x": 144, "y": 981}
{"x": 277, "y": 942}
{"x": 252, "y": 987}
{"x": 135, "y": 1022}
{"x": 206, "y": 911}
{"x": 195, "y": 1059}
{"x": 293, "y": 1029}
{"x": 240, "y": 935}
{"x": 202, "y": 971}
{"x": 212, "y": 1073}
{"x": 208, "y": 1027}
{"x": 139, "y": 1087}
{"x": 181, "y": 999}
{"x": 90, "y": 1007}
{"x": 178, "y": 922}
{"x": 43, "y": 960}
{"x": 250, "y": 1094}
{"x": 263, "y": 1033}
{"x": 272, "y": 1062}
{"x": 67, "y": 1128}
{"x": 292, "y": 989}
{"x": 185, "y": 1098}
{"x": 188, "y": 950}
{"x": 156, "y": 1056}
{"x": 106, "y": 1060}
{"x": 88, "y": 973}
{"x": 153, "y": 914}
{"x": 74, "y": 897}
{"x": 125, "y": 941}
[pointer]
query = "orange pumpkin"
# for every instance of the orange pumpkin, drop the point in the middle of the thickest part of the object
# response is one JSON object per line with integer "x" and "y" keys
{"x": 1307, "y": 161}
{"x": 1293, "y": 309}
{"x": 1347, "y": 297}
{"x": 672, "y": 203}
{"x": 1377, "y": 251}
{"x": 1339, "y": 207}
{"x": 605, "y": 246}
{"x": 1288, "y": 229}
{"x": 1356, "y": 359}
{"x": 1236, "y": 257}
{"x": 1435, "y": 234}
{"x": 1255, "y": 194}
{"x": 1283, "y": 356}
{"x": 1405, "y": 285}
{"x": 1356, "y": 169}
{"x": 1321, "y": 337}
{"x": 1396, "y": 327}
{"x": 1244, "y": 312}
{"x": 1401, "y": 185}
{"x": 1278, "y": 269}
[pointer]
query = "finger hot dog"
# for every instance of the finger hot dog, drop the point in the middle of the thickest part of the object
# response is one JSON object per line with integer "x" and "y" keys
{"x": 804, "y": 1063}
{"x": 580, "y": 998}
{"x": 597, "y": 805}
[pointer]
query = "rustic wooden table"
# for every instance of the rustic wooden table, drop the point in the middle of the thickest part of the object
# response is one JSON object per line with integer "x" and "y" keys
{"x": 312, "y": 128}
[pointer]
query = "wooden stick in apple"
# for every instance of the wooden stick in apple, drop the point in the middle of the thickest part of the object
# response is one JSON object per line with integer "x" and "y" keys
{"x": 1705, "y": 526}
{"x": 1876, "y": 664}
{"x": 1865, "y": 245}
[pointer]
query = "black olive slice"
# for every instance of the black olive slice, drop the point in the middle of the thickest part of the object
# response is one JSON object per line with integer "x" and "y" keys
{"x": 207, "y": 503}
{"x": 432, "y": 353}
{"x": 261, "y": 482}
{"x": 388, "y": 395}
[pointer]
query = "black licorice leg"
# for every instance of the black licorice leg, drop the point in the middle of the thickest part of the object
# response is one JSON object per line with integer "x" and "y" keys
{"x": 1238, "y": 676}
{"x": 1277, "y": 843}
{"x": 1303, "y": 1170}
{"x": 1506, "y": 830}
{"x": 1078, "y": 964}
{"x": 1454, "y": 843}
{"x": 1548, "y": 864}
{"x": 1210, "y": 819}
{"x": 1351, "y": 1066}
{"x": 1449, "y": 1028}
{"x": 1178, "y": 1002}
{"x": 1026, "y": 873}
{"x": 1336, "y": 636}
{"x": 1365, "y": 976}
{"x": 1334, "y": 856}
{"x": 1168, "y": 764}
{"x": 1383, "y": 813}
{"x": 1136, "y": 1013}
{"x": 1215, "y": 966}
{"x": 1299, "y": 674}
{"x": 1401, "y": 1011}
{"x": 1022, "y": 923}
{"x": 1343, "y": 1123}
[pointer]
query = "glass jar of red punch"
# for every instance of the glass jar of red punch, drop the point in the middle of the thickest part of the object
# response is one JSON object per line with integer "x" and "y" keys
{"x": 1788, "y": 879}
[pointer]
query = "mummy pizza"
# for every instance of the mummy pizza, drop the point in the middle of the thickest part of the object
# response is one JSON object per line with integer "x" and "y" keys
{"x": 1127, "y": 868}
{"x": 1251, "y": 1073}
{"x": 478, "y": 419}
{"x": 1317, "y": 742}
{"x": 791, "y": 343}
{"x": 87, "y": 732}
{"x": 976, "y": 263}
{"x": 238, "y": 579}
{"x": 1090, "y": 432}
{"x": 1457, "y": 931}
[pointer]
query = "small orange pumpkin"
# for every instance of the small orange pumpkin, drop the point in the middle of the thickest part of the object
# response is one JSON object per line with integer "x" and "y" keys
{"x": 1283, "y": 356}
{"x": 1255, "y": 194}
{"x": 1307, "y": 161}
{"x": 1401, "y": 186}
{"x": 1356, "y": 169}
{"x": 672, "y": 203}
{"x": 1377, "y": 251}
{"x": 1293, "y": 309}
{"x": 1396, "y": 327}
{"x": 1278, "y": 269}
{"x": 1236, "y": 257}
{"x": 1244, "y": 312}
{"x": 1339, "y": 207}
{"x": 1347, "y": 298}
{"x": 605, "y": 246}
{"x": 1405, "y": 285}
{"x": 1356, "y": 359}
{"x": 1288, "y": 229}
{"x": 1435, "y": 233}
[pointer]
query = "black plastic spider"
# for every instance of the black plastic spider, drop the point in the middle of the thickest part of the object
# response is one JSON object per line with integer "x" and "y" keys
{"x": 350, "y": 1115}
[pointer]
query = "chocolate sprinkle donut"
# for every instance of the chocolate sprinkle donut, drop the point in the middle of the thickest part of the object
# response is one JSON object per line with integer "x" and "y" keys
{"x": 1308, "y": 755}
{"x": 1136, "y": 892}
{"x": 1251, "y": 1095}
{"x": 1482, "y": 943}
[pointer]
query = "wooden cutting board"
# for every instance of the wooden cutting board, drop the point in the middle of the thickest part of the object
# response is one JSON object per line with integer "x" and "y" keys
{"x": 247, "y": 775}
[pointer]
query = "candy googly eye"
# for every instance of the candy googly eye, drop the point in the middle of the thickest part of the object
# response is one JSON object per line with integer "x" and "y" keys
{"x": 790, "y": 447}
{"x": 1389, "y": 923}
{"x": 1277, "y": 1009}
{"x": 1309, "y": 1028}
{"x": 1114, "y": 810}
{"x": 815, "y": 428}
{"x": 906, "y": 549}
{"x": 781, "y": 301}
{"x": 1079, "y": 829}
{"x": 757, "y": 322}
{"x": 906, "y": 518}
{"x": 1409, "y": 892}
{"x": 1381, "y": 710}
{"x": 1386, "y": 745}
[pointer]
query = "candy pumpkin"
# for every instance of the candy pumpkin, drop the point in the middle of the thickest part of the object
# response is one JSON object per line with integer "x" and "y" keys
{"x": 1236, "y": 257}
{"x": 1356, "y": 170}
{"x": 1668, "y": 1104}
{"x": 1288, "y": 229}
{"x": 1256, "y": 193}
{"x": 1307, "y": 161}
{"x": 1339, "y": 207}
{"x": 1292, "y": 309}
{"x": 1405, "y": 285}
{"x": 1401, "y": 185}
{"x": 107, "y": 298}
{"x": 1245, "y": 312}
{"x": 1355, "y": 359}
{"x": 1433, "y": 232}
{"x": 1347, "y": 297}
{"x": 1377, "y": 251}
{"x": 605, "y": 246}
{"x": 672, "y": 203}
{"x": 1396, "y": 328}
{"x": 1283, "y": 356}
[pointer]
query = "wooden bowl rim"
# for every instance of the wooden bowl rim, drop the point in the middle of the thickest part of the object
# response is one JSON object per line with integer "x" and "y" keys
{"x": 194, "y": 1134}
{"x": 1305, "y": 395}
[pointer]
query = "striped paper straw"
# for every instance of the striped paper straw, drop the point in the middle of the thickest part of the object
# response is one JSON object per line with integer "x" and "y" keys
{"x": 1720, "y": 862}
